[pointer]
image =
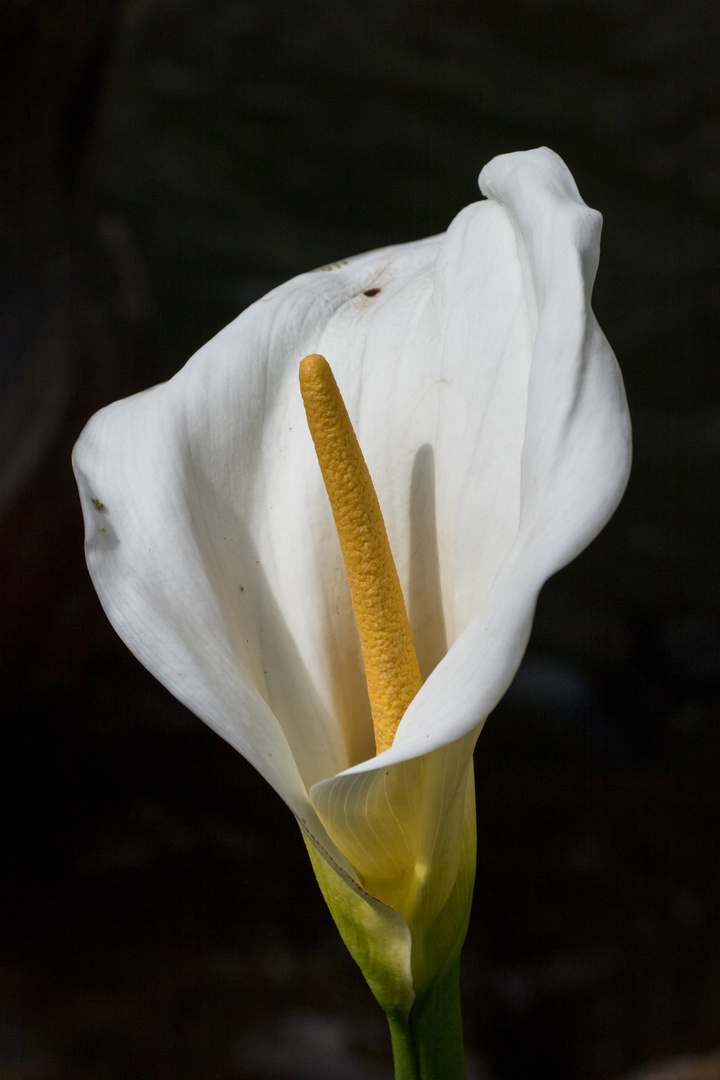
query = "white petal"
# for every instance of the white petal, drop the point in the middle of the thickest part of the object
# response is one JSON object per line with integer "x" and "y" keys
{"x": 560, "y": 446}
{"x": 147, "y": 546}
{"x": 214, "y": 553}
{"x": 561, "y": 478}
{"x": 492, "y": 416}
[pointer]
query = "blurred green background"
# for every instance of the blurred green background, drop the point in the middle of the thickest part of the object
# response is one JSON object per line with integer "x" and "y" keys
{"x": 165, "y": 163}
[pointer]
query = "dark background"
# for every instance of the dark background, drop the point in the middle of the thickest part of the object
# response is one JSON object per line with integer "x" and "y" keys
{"x": 164, "y": 163}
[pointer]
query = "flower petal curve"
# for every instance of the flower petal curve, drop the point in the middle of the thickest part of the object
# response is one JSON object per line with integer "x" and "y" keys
{"x": 492, "y": 416}
{"x": 572, "y": 467}
{"x": 574, "y": 456}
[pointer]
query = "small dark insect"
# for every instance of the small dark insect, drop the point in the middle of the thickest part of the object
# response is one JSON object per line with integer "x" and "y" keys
{"x": 371, "y": 292}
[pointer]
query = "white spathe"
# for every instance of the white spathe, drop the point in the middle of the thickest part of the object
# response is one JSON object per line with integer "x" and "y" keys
{"x": 491, "y": 412}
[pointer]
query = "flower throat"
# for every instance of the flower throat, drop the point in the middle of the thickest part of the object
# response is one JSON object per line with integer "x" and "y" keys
{"x": 391, "y": 666}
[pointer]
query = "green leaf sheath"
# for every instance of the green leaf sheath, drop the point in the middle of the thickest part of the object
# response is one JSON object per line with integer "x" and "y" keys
{"x": 376, "y": 935}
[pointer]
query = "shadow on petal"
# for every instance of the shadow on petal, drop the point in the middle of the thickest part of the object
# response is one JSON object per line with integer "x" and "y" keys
{"x": 424, "y": 600}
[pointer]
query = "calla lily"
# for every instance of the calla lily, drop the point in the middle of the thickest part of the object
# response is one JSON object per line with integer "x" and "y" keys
{"x": 491, "y": 412}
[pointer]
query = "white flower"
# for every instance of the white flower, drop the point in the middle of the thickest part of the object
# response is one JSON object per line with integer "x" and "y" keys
{"x": 492, "y": 416}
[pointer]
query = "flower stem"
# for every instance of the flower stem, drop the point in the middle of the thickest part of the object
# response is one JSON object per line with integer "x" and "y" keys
{"x": 428, "y": 1045}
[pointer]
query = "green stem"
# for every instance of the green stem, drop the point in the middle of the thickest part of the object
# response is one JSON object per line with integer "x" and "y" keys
{"x": 428, "y": 1045}
{"x": 404, "y": 1053}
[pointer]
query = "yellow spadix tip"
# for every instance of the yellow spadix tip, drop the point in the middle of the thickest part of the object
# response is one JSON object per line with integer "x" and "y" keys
{"x": 391, "y": 667}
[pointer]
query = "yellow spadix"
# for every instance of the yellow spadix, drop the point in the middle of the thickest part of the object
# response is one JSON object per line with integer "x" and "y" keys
{"x": 391, "y": 667}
